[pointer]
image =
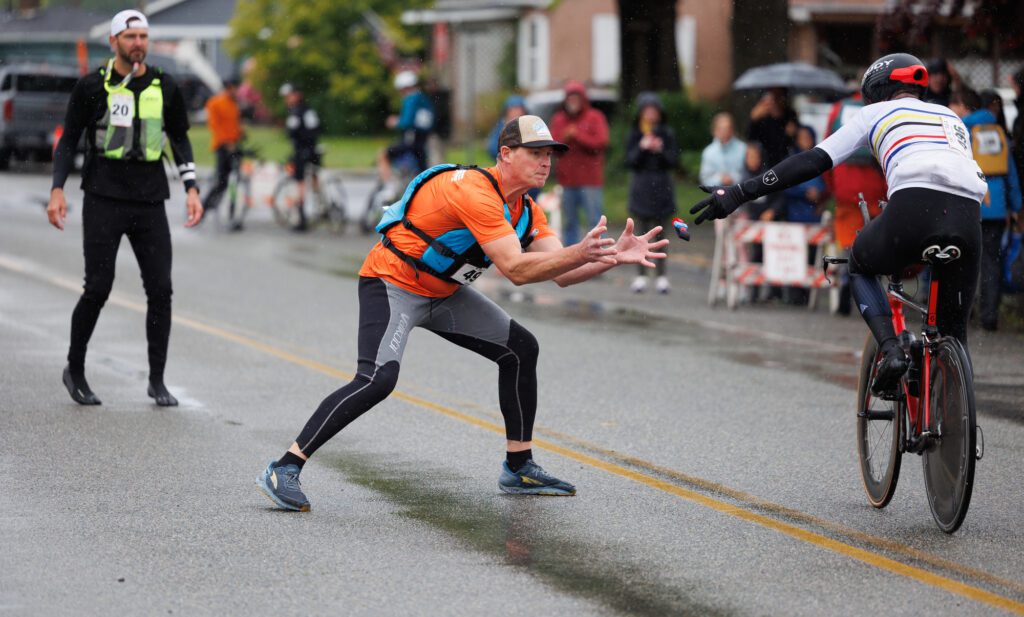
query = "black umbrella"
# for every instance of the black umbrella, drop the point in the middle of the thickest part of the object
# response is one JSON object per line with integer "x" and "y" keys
{"x": 794, "y": 75}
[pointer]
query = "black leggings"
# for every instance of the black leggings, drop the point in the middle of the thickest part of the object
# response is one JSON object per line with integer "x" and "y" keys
{"x": 104, "y": 221}
{"x": 915, "y": 219}
{"x": 227, "y": 158}
{"x": 387, "y": 314}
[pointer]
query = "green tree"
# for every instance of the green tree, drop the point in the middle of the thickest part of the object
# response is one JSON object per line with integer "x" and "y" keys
{"x": 329, "y": 50}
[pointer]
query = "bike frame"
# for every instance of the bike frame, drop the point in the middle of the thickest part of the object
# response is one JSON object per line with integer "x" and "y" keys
{"x": 897, "y": 298}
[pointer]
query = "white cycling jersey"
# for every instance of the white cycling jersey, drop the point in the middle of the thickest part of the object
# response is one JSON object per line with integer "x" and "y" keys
{"x": 918, "y": 144}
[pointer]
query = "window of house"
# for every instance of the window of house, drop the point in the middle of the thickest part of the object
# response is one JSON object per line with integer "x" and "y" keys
{"x": 604, "y": 45}
{"x": 534, "y": 45}
{"x": 686, "y": 48}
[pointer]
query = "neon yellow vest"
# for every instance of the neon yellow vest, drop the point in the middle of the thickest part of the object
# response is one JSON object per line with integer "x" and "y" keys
{"x": 128, "y": 113}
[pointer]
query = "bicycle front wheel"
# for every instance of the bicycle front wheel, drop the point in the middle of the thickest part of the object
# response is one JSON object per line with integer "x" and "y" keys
{"x": 335, "y": 204}
{"x": 879, "y": 425}
{"x": 286, "y": 202}
{"x": 949, "y": 462}
{"x": 374, "y": 209}
{"x": 238, "y": 201}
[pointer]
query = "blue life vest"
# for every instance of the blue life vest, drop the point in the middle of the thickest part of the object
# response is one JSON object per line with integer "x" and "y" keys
{"x": 455, "y": 256}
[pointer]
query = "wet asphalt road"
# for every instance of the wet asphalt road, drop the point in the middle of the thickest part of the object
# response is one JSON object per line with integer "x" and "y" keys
{"x": 714, "y": 454}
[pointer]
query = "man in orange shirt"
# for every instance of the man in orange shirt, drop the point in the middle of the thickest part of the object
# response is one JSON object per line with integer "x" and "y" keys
{"x": 225, "y": 123}
{"x": 438, "y": 240}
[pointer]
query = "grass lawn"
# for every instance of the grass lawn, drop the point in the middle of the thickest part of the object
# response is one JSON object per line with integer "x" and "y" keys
{"x": 360, "y": 153}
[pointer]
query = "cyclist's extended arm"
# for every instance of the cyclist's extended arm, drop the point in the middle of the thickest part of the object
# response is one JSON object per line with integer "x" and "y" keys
{"x": 790, "y": 172}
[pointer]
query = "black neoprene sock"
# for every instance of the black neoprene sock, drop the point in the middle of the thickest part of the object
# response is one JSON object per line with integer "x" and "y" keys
{"x": 291, "y": 459}
{"x": 516, "y": 460}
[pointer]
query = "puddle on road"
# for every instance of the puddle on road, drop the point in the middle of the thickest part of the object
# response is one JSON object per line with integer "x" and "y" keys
{"x": 514, "y": 530}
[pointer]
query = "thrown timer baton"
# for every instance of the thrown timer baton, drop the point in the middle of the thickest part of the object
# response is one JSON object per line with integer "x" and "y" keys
{"x": 681, "y": 229}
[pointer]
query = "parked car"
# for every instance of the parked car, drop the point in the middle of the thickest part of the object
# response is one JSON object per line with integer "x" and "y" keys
{"x": 33, "y": 100}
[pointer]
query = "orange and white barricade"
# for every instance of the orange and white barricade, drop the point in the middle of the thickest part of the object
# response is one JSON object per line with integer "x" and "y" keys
{"x": 784, "y": 257}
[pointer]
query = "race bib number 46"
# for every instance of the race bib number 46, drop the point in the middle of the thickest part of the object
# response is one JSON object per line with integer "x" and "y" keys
{"x": 122, "y": 109}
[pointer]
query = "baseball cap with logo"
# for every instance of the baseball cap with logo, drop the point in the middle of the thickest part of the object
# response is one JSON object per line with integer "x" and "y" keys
{"x": 127, "y": 19}
{"x": 529, "y": 132}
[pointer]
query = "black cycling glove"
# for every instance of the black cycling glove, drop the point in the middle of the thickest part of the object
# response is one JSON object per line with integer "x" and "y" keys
{"x": 723, "y": 201}
{"x": 796, "y": 169}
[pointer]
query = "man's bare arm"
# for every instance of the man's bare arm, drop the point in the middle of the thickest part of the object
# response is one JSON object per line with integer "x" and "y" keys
{"x": 553, "y": 260}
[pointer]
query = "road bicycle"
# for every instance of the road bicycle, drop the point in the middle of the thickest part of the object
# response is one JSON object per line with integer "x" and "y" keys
{"x": 239, "y": 191}
{"x": 325, "y": 199}
{"x": 404, "y": 168}
{"x": 932, "y": 413}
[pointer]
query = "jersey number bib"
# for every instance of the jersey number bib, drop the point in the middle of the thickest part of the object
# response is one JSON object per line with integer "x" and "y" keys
{"x": 122, "y": 109}
{"x": 956, "y": 136}
{"x": 467, "y": 274}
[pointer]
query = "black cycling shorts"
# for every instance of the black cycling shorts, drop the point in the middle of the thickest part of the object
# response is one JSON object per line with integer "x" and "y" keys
{"x": 915, "y": 219}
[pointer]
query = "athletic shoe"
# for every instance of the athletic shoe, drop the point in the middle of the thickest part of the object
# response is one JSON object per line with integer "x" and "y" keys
{"x": 282, "y": 486}
{"x": 79, "y": 389}
{"x": 891, "y": 367}
{"x": 531, "y": 479}
{"x": 662, "y": 285}
{"x": 639, "y": 285}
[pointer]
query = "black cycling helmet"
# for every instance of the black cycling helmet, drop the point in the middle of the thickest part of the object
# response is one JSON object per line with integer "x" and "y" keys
{"x": 891, "y": 74}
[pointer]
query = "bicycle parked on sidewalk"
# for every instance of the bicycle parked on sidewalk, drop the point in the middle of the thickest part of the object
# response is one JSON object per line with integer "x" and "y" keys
{"x": 324, "y": 199}
{"x": 933, "y": 411}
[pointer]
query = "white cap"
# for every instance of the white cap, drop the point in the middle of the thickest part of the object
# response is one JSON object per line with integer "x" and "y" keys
{"x": 120, "y": 22}
{"x": 285, "y": 89}
{"x": 405, "y": 79}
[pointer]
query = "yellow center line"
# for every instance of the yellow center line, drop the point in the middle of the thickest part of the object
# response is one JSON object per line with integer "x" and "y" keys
{"x": 810, "y": 537}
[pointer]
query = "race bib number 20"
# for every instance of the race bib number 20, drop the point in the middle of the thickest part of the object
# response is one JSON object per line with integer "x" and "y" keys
{"x": 122, "y": 109}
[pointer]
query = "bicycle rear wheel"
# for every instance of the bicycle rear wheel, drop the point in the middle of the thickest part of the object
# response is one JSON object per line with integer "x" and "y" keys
{"x": 336, "y": 200}
{"x": 879, "y": 425}
{"x": 949, "y": 462}
{"x": 286, "y": 202}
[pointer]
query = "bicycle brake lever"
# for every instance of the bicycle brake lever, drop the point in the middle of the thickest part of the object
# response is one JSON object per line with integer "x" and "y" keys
{"x": 826, "y": 261}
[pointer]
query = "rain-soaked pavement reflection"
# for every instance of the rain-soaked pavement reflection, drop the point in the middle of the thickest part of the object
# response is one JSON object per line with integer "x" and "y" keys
{"x": 514, "y": 530}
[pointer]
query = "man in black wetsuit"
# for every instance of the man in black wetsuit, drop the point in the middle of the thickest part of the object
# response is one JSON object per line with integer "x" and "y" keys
{"x": 125, "y": 109}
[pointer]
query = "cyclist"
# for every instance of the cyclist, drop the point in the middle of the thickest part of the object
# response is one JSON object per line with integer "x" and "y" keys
{"x": 303, "y": 126}
{"x": 225, "y": 122}
{"x": 450, "y": 224}
{"x": 414, "y": 123}
{"x": 935, "y": 190}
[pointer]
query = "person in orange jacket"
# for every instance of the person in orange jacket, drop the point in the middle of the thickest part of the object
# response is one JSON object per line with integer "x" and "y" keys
{"x": 225, "y": 122}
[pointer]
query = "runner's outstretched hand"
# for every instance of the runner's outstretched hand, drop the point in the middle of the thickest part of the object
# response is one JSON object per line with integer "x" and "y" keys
{"x": 723, "y": 201}
{"x": 595, "y": 248}
{"x": 639, "y": 249}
